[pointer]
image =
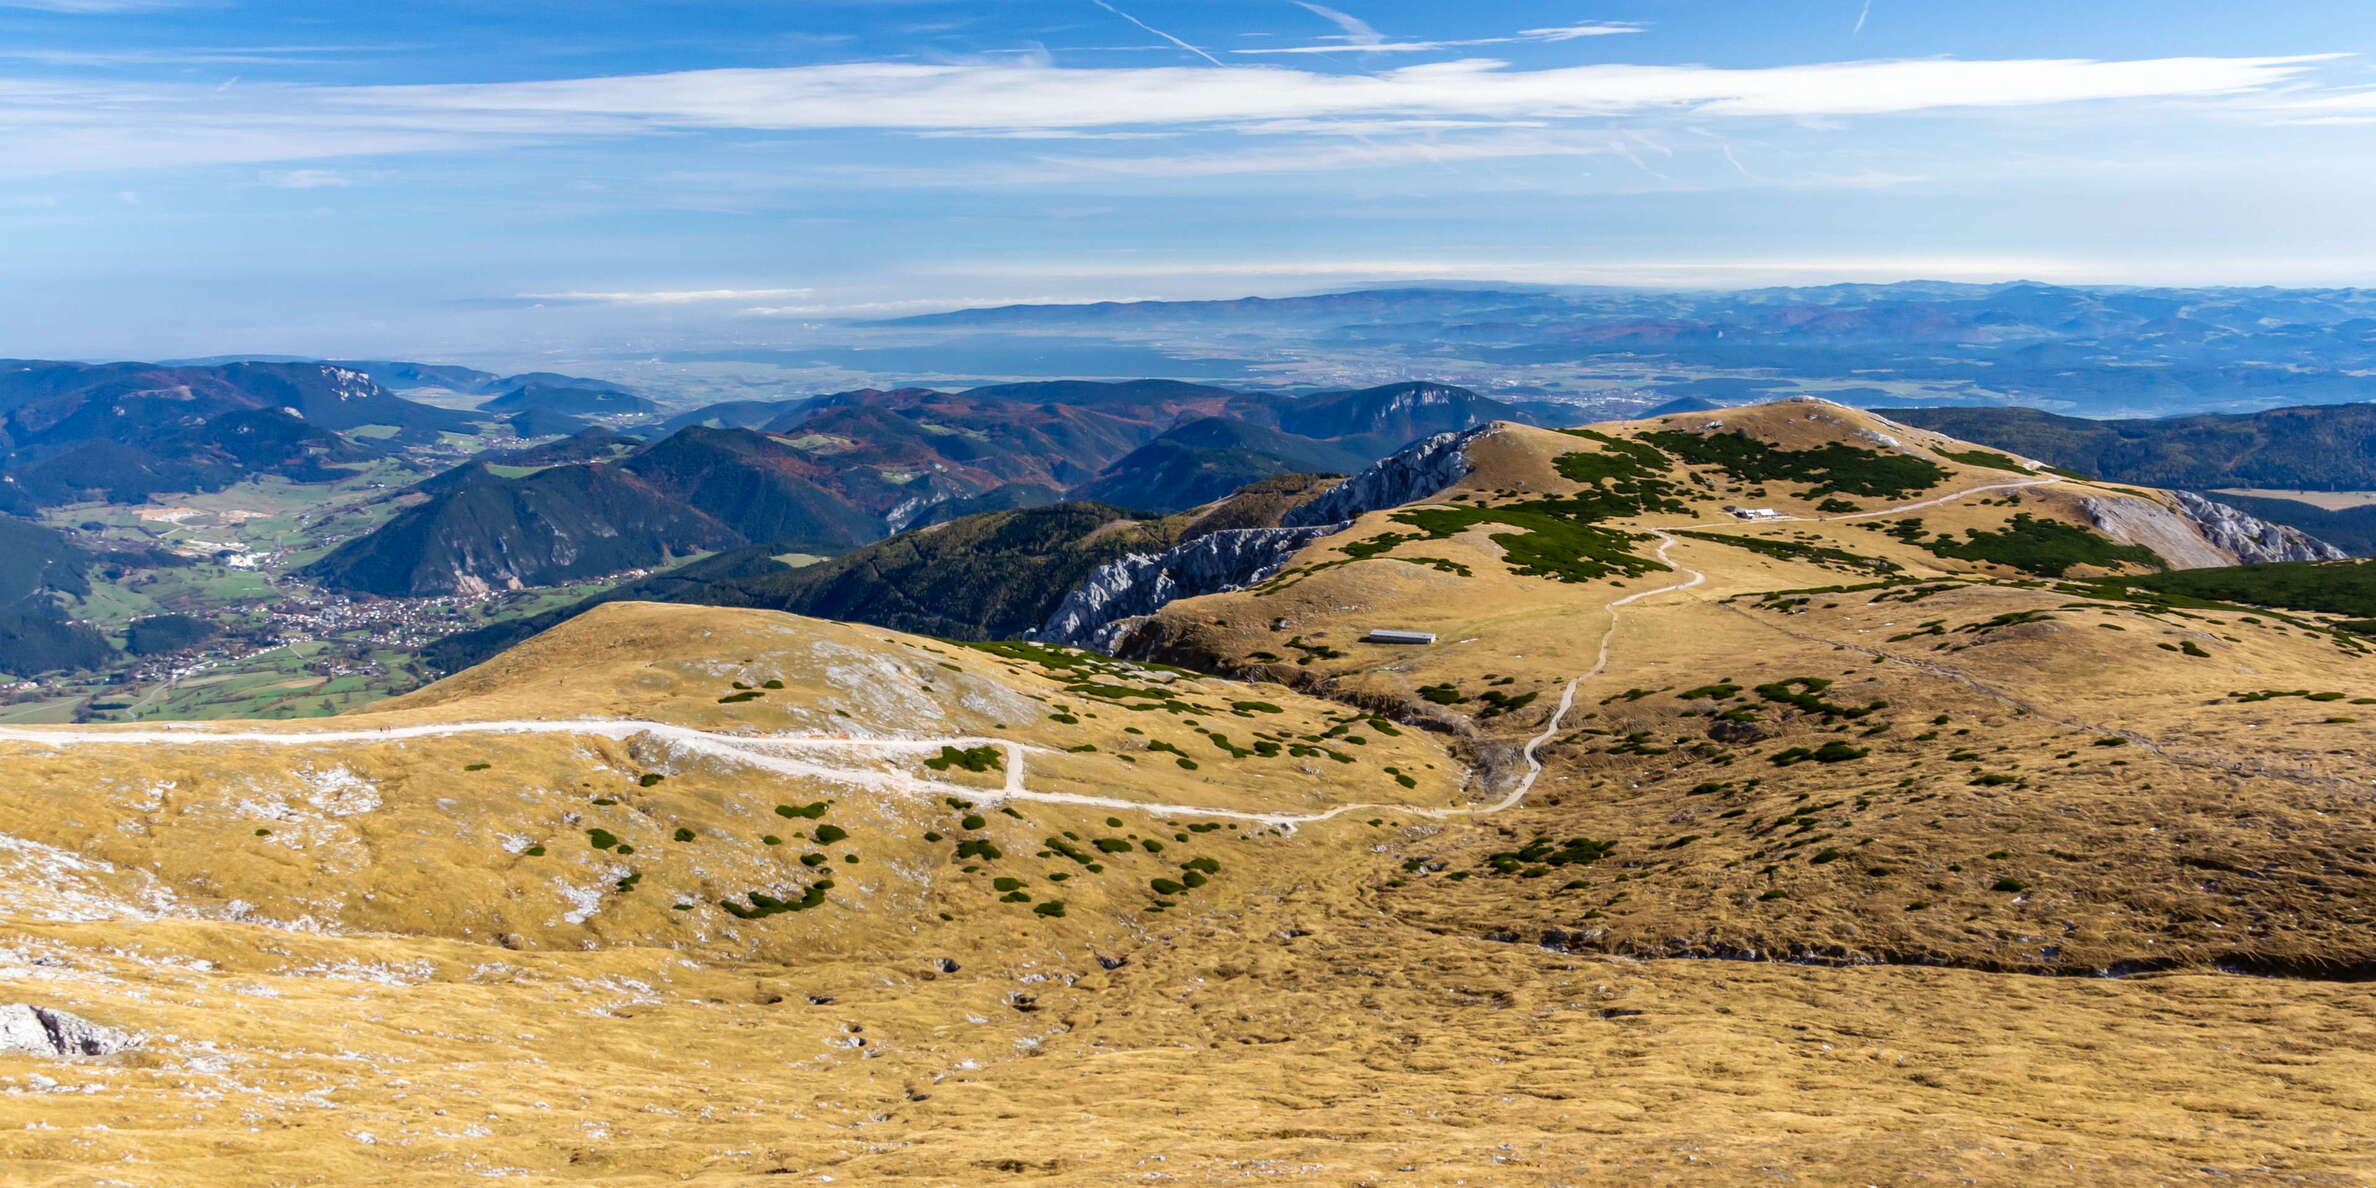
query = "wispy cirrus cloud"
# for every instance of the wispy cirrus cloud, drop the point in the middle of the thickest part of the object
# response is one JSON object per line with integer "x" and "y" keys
{"x": 1359, "y": 37}
{"x": 898, "y": 95}
{"x": 53, "y": 125}
{"x": 248, "y": 55}
{"x": 1309, "y": 158}
{"x": 97, "y": 7}
{"x": 2356, "y": 106}
{"x": 309, "y": 179}
{"x": 1587, "y": 29}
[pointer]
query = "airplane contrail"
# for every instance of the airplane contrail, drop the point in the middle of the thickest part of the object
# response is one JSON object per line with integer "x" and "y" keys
{"x": 1157, "y": 32}
{"x": 1861, "y": 17}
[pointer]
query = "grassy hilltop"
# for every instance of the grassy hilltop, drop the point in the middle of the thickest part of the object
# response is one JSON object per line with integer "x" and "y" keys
{"x": 1841, "y": 820}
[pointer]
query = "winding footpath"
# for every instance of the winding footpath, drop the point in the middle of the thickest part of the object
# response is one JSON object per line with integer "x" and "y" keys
{"x": 781, "y": 753}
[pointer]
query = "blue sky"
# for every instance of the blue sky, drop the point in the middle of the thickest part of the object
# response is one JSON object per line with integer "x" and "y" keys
{"x": 460, "y": 177}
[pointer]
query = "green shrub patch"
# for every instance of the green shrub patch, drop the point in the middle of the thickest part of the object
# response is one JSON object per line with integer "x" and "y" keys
{"x": 763, "y": 905}
{"x": 1835, "y": 469}
{"x": 1545, "y": 852}
{"x": 975, "y": 759}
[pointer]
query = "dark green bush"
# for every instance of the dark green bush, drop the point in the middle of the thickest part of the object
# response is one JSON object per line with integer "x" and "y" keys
{"x": 1835, "y": 469}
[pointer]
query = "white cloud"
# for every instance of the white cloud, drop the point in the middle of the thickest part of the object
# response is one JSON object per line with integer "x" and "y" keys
{"x": 308, "y": 179}
{"x": 53, "y": 126}
{"x": 1311, "y": 158}
{"x": 1747, "y": 270}
{"x": 236, "y": 55}
{"x": 904, "y": 95}
{"x": 94, "y": 7}
{"x": 1177, "y": 278}
{"x": 667, "y": 296}
{"x": 1375, "y": 127}
{"x": 1370, "y": 41}
{"x": 1357, "y": 31}
{"x": 1587, "y": 29}
{"x": 853, "y": 307}
{"x": 2355, "y": 106}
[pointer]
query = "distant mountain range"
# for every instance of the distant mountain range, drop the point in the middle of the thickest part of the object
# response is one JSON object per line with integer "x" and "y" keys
{"x": 2324, "y": 448}
{"x": 843, "y": 470}
{"x": 847, "y": 469}
{"x": 124, "y": 431}
{"x": 991, "y": 575}
{"x": 2090, "y": 349}
{"x": 573, "y": 399}
{"x": 838, "y": 474}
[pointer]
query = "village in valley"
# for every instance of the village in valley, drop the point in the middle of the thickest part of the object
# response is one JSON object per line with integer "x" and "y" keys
{"x": 273, "y": 643}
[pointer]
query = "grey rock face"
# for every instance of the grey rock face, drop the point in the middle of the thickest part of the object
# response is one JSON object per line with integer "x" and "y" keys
{"x": 2253, "y": 540}
{"x": 1140, "y": 584}
{"x": 2191, "y": 532}
{"x": 2156, "y": 526}
{"x": 45, "y": 1032}
{"x": 1421, "y": 469}
{"x": 1097, "y": 611}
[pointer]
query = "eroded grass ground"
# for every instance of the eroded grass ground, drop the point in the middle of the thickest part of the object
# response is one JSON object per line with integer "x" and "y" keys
{"x": 1302, "y": 1039}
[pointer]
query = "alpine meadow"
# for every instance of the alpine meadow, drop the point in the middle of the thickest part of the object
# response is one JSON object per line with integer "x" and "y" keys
{"x": 1187, "y": 592}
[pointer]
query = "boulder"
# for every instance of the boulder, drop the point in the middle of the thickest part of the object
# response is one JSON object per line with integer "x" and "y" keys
{"x": 45, "y": 1032}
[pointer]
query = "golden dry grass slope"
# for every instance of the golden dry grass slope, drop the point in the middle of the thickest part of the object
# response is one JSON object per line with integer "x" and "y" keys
{"x": 675, "y": 894}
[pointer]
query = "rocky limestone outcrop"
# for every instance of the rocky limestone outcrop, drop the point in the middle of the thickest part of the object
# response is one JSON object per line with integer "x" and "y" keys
{"x": 1097, "y": 612}
{"x": 44, "y": 1032}
{"x": 1093, "y": 614}
{"x": 2191, "y": 532}
{"x": 2253, "y": 540}
{"x": 1413, "y": 473}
